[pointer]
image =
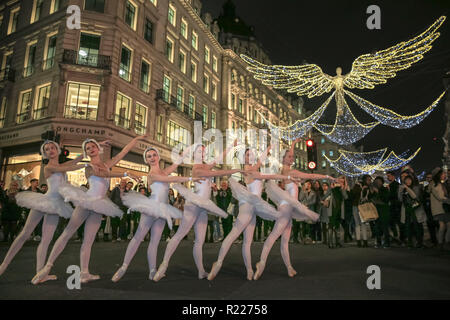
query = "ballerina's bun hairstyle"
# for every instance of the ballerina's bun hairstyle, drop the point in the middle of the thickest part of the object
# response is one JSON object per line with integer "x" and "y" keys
{"x": 44, "y": 156}
{"x": 83, "y": 146}
{"x": 147, "y": 150}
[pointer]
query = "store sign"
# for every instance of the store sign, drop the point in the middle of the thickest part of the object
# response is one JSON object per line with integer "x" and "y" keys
{"x": 22, "y": 136}
{"x": 80, "y": 130}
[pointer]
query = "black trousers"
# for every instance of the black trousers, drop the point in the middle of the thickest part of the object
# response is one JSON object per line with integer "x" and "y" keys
{"x": 9, "y": 230}
{"x": 382, "y": 231}
{"x": 394, "y": 222}
{"x": 227, "y": 225}
{"x": 316, "y": 232}
{"x": 258, "y": 229}
{"x": 413, "y": 228}
{"x": 210, "y": 231}
{"x": 296, "y": 230}
{"x": 432, "y": 226}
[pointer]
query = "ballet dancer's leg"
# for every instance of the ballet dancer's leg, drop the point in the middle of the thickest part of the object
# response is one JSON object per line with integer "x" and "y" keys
{"x": 32, "y": 221}
{"x": 48, "y": 230}
{"x": 243, "y": 219}
{"x": 284, "y": 247}
{"x": 78, "y": 216}
{"x": 200, "y": 226}
{"x": 248, "y": 238}
{"x": 91, "y": 228}
{"x": 279, "y": 227}
{"x": 152, "y": 250}
{"x": 143, "y": 227}
{"x": 189, "y": 217}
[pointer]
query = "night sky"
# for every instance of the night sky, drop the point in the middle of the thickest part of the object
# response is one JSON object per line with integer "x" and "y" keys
{"x": 333, "y": 33}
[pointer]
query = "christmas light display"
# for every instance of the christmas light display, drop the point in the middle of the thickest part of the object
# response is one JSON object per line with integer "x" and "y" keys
{"x": 353, "y": 164}
{"x": 367, "y": 71}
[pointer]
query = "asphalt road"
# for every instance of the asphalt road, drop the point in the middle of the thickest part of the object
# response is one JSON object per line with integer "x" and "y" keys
{"x": 322, "y": 274}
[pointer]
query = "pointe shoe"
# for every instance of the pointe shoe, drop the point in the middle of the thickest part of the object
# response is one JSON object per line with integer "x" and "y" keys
{"x": 3, "y": 268}
{"x": 161, "y": 273}
{"x": 214, "y": 270}
{"x": 119, "y": 273}
{"x": 259, "y": 270}
{"x": 291, "y": 272}
{"x": 49, "y": 278}
{"x": 202, "y": 275}
{"x": 152, "y": 274}
{"x": 250, "y": 274}
{"x": 43, "y": 274}
{"x": 87, "y": 277}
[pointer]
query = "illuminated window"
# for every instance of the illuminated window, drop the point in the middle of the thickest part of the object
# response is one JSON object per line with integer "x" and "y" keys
{"x": 214, "y": 90}
{"x": 41, "y": 102}
{"x": 140, "y": 119}
{"x": 194, "y": 40}
{"x": 206, "y": 83}
{"x": 176, "y": 134}
{"x": 193, "y": 71}
{"x": 3, "y": 105}
{"x": 167, "y": 88}
{"x": 241, "y": 103}
{"x": 182, "y": 61}
{"x": 159, "y": 132}
{"x": 213, "y": 120}
{"x": 6, "y": 65}
{"x": 331, "y": 153}
{"x": 130, "y": 14}
{"x": 207, "y": 55}
{"x": 322, "y": 140}
{"x": 169, "y": 49}
{"x": 13, "y": 19}
{"x": 30, "y": 57}
{"x": 148, "y": 31}
{"x": 214, "y": 64}
{"x": 172, "y": 15}
{"x": 205, "y": 116}
{"x": 191, "y": 105}
{"x": 145, "y": 76}
{"x": 123, "y": 111}
{"x": 154, "y": 2}
{"x": 126, "y": 61}
{"x": 24, "y": 107}
{"x": 89, "y": 49}
{"x": 184, "y": 28}
{"x": 82, "y": 101}
{"x": 55, "y": 5}
{"x": 324, "y": 164}
{"x": 37, "y": 10}
{"x": 180, "y": 98}
{"x": 49, "y": 52}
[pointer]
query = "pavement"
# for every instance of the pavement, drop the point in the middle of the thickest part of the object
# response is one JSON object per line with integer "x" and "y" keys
{"x": 322, "y": 274}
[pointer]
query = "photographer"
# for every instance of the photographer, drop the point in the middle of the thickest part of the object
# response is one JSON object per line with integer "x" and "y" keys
{"x": 412, "y": 211}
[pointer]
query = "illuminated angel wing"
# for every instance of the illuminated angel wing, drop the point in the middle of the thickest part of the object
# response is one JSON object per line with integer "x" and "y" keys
{"x": 375, "y": 68}
{"x": 307, "y": 79}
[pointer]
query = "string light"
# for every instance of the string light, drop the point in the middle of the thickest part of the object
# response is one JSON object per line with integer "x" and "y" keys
{"x": 367, "y": 71}
{"x": 353, "y": 164}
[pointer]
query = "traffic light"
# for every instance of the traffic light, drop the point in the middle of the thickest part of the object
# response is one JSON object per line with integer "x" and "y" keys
{"x": 63, "y": 157}
{"x": 311, "y": 149}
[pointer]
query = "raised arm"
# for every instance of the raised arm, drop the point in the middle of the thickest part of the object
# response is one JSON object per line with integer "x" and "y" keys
{"x": 175, "y": 165}
{"x": 66, "y": 168}
{"x": 169, "y": 179}
{"x": 210, "y": 173}
{"x": 111, "y": 163}
{"x": 302, "y": 175}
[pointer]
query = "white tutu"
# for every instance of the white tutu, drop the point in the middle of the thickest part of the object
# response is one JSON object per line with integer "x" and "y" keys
{"x": 150, "y": 207}
{"x": 98, "y": 204}
{"x": 300, "y": 212}
{"x": 261, "y": 207}
{"x": 206, "y": 204}
{"x": 45, "y": 203}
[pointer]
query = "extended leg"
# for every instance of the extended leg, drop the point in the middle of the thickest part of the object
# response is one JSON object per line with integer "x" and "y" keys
{"x": 200, "y": 232}
{"x": 284, "y": 247}
{"x": 32, "y": 221}
{"x": 91, "y": 227}
{"x": 48, "y": 230}
{"x": 157, "y": 230}
{"x": 246, "y": 253}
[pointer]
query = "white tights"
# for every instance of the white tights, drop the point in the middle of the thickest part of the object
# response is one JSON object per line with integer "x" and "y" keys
{"x": 193, "y": 216}
{"x": 79, "y": 215}
{"x": 245, "y": 223}
{"x": 48, "y": 229}
{"x": 145, "y": 223}
{"x": 282, "y": 228}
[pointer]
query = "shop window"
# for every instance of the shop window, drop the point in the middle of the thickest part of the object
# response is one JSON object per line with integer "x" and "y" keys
{"x": 82, "y": 101}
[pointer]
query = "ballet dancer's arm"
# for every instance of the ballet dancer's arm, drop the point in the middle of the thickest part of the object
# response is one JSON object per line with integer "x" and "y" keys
{"x": 74, "y": 161}
{"x": 175, "y": 165}
{"x": 219, "y": 173}
{"x": 169, "y": 179}
{"x": 111, "y": 163}
{"x": 65, "y": 168}
{"x": 305, "y": 176}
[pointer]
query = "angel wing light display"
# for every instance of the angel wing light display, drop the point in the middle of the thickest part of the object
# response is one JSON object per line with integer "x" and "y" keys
{"x": 367, "y": 71}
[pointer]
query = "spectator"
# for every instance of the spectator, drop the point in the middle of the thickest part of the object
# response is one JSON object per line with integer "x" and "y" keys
{"x": 223, "y": 200}
{"x": 431, "y": 224}
{"x": 166, "y": 232}
{"x": 325, "y": 210}
{"x": 361, "y": 229}
{"x": 381, "y": 200}
{"x": 394, "y": 209}
{"x": 438, "y": 197}
{"x": 412, "y": 212}
{"x": 308, "y": 198}
{"x": 11, "y": 213}
{"x": 44, "y": 188}
{"x": 338, "y": 195}
{"x": 367, "y": 194}
{"x": 316, "y": 228}
{"x": 118, "y": 224}
{"x": 179, "y": 204}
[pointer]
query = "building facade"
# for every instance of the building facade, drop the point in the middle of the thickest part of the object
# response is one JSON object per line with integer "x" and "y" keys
{"x": 134, "y": 67}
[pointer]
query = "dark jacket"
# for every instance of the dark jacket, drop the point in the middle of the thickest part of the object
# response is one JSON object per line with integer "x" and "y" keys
{"x": 223, "y": 198}
{"x": 115, "y": 197}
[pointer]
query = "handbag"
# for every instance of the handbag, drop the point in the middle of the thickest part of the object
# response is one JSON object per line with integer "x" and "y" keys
{"x": 367, "y": 212}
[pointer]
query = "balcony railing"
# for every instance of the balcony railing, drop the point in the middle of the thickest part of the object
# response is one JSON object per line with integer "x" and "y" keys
{"x": 139, "y": 128}
{"x": 8, "y": 74}
{"x": 172, "y": 101}
{"x": 40, "y": 113}
{"x": 23, "y": 117}
{"x": 122, "y": 122}
{"x": 90, "y": 60}
{"x": 80, "y": 112}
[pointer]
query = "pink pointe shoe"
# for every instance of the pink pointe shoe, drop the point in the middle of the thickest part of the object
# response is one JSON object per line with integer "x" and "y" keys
{"x": 119, "y": 273}
{"x": 42, "y": 275}
{"x": 161, "y": 273}
{"x": 291, "y": 272}
{"x": 250, "y": 275}
{"x": 87, "y": 277}
{"x": 259, "y": 269}
{"x": 214, "y": 270}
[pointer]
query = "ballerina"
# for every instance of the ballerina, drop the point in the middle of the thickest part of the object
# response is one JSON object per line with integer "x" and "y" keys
{"x": 90, "y": 206}
{"x": 49, "y": 206}
{"x": 288, "y": 208}
{"x": 155, "y": 210}
{"x": 196, "y": 210}
{"x": 250, "y": 205}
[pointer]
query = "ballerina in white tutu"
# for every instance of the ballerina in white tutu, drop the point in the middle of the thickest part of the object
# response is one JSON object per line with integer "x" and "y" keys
{"x": 155, "y": 210}
{"x": 196, "y": 210}
{"x": 49, "y": 206}
{"x": 288, "y": 208}
{"x": 250, "y": 205}
{"x": 90, "y": 206}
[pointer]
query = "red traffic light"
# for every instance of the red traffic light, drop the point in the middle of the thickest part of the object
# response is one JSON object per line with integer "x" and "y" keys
{"x": 312, "y": 165}
{"x": 309, "y": 143}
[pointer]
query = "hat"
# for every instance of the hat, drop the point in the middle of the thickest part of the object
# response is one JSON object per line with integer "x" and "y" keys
{"x": 435, "y": 171}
